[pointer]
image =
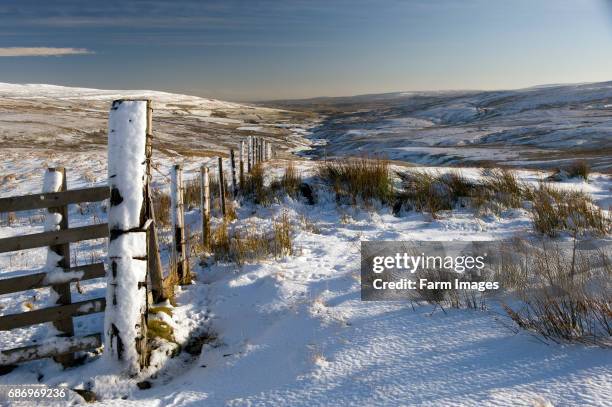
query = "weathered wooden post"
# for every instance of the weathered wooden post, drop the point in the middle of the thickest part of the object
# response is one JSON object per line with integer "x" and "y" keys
{"x": 125, "y": 322}
{"x": 179, "y": 249}
{"x": 269, "y": 150}
{"x": 250, "y": 153}
{"x": 255, "y": 156}
{"x": 221, "y": 187}
{"x": 154, "y": 265}
{"x": 241, "y": 169}
{"x": 261, "y": 143}
{"x": 233, "y": 169}
{"x": 58, "y": 256}
{"x": 205, "y": 204}
{"x": 254, "y": 141}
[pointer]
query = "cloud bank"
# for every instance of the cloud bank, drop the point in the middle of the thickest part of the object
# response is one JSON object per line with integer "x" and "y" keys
{"x": 41, "y": 51}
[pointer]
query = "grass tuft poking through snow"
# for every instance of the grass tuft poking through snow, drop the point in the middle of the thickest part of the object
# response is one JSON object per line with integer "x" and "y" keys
{"x": 255, "y": 187}
{"x": 556, "y": 210}
{"x": 563, "y": 295}
{"x": 289, "y": 183}
{"x": 577, "y": 169}
{"x": 359, "y": 180}
{"x": 497, "y": 189}
{"x": 249, "y": 243}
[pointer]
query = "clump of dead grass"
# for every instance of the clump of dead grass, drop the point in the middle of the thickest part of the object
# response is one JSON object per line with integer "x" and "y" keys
{"x": 563, "y": 292}
{"x": 289, "y": 183}
{"x": 255, "y": 188}
{"x": 576, "y": 169}
{"x": 556, "y": 210}
{"x": 433, "y": 192}
{"x": 359, "y": 180}
{"x": 161, "y": 207}
{"x": 250, "y": 243}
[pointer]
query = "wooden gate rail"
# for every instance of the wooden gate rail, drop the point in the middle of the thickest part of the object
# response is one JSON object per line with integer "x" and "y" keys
{"x": 53, "y": 199}
{"x": 56, "y": 347}
{"x": 37, "y": 280}
{"x": 75, "y": 309}
{"x": 55, "y": 237}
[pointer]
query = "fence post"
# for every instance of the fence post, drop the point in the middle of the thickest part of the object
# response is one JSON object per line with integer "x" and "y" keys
{"x": 255, "y": 156}
{"x": 154, "y": 264}
{"x": 221, "y": 187}
{"x": 179, "y": 250}
{"x": 233, "y": 169}
{"x": 125, "y": 322}
{"x": 259, "y": 143}
{"x": 250, "y": 154}
{"x": 241, "y": 169}
{"x": 265, "y": 150}
{"x": 261, "y": 149}
{"x": 58, "y": 256}
{"x": 254, "y": 151}
{"x": 269, "y": 150}
{"x": 205, "y": 204}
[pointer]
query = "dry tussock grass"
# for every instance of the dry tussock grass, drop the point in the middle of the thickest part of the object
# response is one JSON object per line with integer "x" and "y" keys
{"x": 251, "y": 243}
{"x": 555, "y": 210}
{"x": 564, "y": 292}
{"x": 255, "y": 188}
{"x": 578, "y": 168}
{"x": 359, "y": 180}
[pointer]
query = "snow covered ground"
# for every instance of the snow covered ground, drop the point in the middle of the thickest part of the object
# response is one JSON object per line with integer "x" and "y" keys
{"x": 294, "y": 331}
{"x": 540, "y": 127}
{"x": 291, "y": 331}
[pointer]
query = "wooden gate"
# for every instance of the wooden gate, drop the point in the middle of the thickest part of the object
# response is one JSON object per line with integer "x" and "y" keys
{"x": 61, "y": 347}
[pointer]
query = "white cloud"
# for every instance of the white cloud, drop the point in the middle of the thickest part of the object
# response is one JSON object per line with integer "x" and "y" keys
{"x": 41, "y": 51}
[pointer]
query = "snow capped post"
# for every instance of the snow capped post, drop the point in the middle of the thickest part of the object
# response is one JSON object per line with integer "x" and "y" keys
{"x": 241, "y": 169}
{"x": 179, "y": 249}
{"x": 221, "y": 187}
{"x": 260, "y": 149}
{"x": 233, "y": 169}
{"x": 205, "y": 203}
{"x": 254, "y": 151}
{"x": 125, "y": 322}
{"x": 58, "y": 256}
{"x": 250, "y": 153}
{"x": 264, "y": 151}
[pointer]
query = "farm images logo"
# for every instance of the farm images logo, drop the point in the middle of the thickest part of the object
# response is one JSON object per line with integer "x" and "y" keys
{"x": 404, "y": 270}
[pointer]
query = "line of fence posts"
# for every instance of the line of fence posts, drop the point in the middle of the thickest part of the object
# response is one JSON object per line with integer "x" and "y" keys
{"x": 253, "y": 150}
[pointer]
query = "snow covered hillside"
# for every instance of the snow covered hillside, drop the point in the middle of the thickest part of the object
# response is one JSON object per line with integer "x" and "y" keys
{"x": 62, "y": 118}
{"x": 540, "y": 127}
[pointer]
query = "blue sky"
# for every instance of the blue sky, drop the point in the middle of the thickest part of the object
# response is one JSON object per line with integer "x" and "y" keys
{"x": 259, "y": 49}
